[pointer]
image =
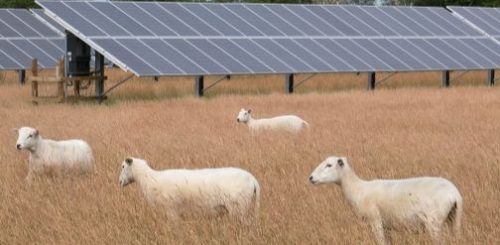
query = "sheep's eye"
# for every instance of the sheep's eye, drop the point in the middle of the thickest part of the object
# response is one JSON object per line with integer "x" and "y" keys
{"x": 29, "y": 136}
{"x": 328, "y": 165}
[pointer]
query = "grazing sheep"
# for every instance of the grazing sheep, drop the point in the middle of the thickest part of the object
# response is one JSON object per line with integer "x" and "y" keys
{"x": 289, "y": 123}
{"x": 427, "y": 202}
{"x": 213, "y": 191}
{"x": 46, "y": 155}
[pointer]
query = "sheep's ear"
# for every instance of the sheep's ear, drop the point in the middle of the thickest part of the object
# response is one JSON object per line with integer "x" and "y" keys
{"x": 249, "y": 111}
{"x": 129, "y": 161}
{"x": 340, "y": 162}
{"x": 36, "y": 133}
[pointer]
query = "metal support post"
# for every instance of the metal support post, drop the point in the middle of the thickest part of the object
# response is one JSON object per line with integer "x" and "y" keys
{"x": 289, "y": 83}
{"x": 371, "y": 81}
{"x": 199, "y": 86}
{"x": 22, "y": 76}
{"x": 446, "y": 79}
{"x": 491, "y": 78}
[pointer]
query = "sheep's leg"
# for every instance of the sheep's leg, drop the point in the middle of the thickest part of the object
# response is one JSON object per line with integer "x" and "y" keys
{"x": 378, "y": 231}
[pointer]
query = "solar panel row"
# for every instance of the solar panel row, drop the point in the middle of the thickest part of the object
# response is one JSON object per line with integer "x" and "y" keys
{"x": 156, "y": 39}
{"x": 105, "y": 19}
{"x": 150, "y": 57}
{"x": 24, "y": 37}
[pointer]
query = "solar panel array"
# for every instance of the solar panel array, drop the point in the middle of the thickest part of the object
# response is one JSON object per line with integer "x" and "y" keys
{"x": 24, "y": 37}
{"x": 156, "y": 39}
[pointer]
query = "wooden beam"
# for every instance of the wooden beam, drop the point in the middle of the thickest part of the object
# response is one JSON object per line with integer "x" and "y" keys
{"x": 34, "y": 73}
{"x": 60, "y": 76}
{"x": 66, "y": 79}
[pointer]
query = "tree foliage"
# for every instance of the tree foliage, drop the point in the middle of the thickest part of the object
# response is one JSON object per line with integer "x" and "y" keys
{"x": 18, "y": 4}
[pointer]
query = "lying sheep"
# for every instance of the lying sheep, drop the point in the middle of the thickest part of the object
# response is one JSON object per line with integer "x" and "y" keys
{"x": 214, "y": 191}
{"x": 289, "y": 123}
{"x": 48, "y": 155}
{"x": 391, "y": 204}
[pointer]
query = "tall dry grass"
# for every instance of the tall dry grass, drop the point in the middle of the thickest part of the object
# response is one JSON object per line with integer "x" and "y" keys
{"x": 388, "y": 133}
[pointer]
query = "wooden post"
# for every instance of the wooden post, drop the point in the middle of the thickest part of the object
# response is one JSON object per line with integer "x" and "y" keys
{"x": 60, "y": 77}
{"x": 34, "y": 73}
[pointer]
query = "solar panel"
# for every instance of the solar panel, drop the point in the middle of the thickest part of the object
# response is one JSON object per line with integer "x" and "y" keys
{"x": 40, "y": 14}
{"x": 24, "y": 37}
{"x": 159, "y": 39}
{"x": 486, "y": 19}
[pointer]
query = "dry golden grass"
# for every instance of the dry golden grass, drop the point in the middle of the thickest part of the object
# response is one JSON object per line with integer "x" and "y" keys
{"x": 389, "y": 133}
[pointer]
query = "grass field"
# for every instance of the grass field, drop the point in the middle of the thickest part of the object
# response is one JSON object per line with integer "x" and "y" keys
{"x": 413, "y": 130}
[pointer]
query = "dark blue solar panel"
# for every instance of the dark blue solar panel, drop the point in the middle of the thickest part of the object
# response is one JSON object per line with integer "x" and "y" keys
{"x": 131, "y": 60}
{"x": 150, "y": 56}
{"x": 246, "y": 14}
{"x": 121, "y": 19}
{"x": 166, "y": 18}
{"x": 285, "y": 55}
{"x": 323, "y": 53}
{"x": 401, "y": 54}
{"x": 246, "y": 58}
{"x": 420, "y": 54}
{"x": 41, "y": 14}
{"x": 7, "y": 63}
{"x": 374, "y": 23}
{"x": 44, "y": 59}
{"x": 145, "y": 19}
{"x": 351, "y": 58}
{"x": 24, "y": 37}
{"x": 163, "y": 49}
{"x": 215, "y": 21}
{"x": 9, "y": 19}
{"x": 201, "y": 27}
{"x": 302, "y": 25}
{"x": 219, "y": 56}
{"x": 15, "y": 53}
{"x": 270, "y": 17}
{"x": 196, "y": 56}
{"x": 306, "y": 56}
{"x": 275, "y": 63}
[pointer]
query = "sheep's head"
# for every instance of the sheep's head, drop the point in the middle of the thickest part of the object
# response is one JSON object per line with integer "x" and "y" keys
{"x": 126, "y": 176}
{"x": 329, "y": 171}
{"x": 244, "y": 115}
{"x": 27, "y": 137}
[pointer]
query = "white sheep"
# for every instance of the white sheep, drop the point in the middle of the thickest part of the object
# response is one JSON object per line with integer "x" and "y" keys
{"x": 427, "y": 202}
{"x": 213, "y": 191}
{"x": 49, "y": 155}
{"x": 289, "y": 123}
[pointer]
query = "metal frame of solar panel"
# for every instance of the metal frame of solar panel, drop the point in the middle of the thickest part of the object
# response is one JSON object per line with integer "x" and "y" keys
{"x": 197, "y": 39}
{"x": 24, "y": 37}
